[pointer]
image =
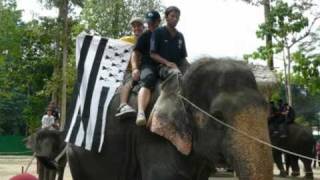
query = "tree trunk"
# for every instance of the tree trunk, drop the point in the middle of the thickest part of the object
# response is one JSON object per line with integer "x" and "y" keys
{"x": 289, "y": 76}
{"x": 55, "y": 94}
{"x": 64, "y": 63}
{"x": 266, "y": 4}
{"x": 285, "y": 74}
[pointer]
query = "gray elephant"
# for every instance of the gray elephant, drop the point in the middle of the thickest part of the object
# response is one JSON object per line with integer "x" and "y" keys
{"x": 183, "y": 140}
{"x": 299, "y": 140}
{"x": 47, "y": 144}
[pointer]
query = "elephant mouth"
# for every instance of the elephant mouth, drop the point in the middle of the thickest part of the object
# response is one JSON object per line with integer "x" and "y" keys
{"x": 48, "y": 162}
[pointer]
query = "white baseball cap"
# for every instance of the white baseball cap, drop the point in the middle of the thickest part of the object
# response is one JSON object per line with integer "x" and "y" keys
{"x": 136, "y": 19}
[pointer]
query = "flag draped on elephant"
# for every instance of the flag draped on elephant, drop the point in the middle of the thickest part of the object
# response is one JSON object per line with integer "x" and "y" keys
{"x": 101, "y": 64}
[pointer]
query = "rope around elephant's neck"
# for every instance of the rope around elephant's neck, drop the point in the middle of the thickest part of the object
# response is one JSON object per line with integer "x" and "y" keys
{"x": 244, "y": 133}
{"x": 61, "y": 154}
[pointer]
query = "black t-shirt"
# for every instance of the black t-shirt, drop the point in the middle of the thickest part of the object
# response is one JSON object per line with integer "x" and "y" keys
{"x": 171, "y": 48}
{"x": 143, "y": 46}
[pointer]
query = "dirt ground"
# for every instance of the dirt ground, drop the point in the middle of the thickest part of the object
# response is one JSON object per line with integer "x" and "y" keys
{"x": 12, "y": 165}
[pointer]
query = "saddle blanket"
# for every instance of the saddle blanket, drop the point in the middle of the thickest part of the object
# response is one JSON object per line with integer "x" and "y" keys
{"x": 101, "y": 64}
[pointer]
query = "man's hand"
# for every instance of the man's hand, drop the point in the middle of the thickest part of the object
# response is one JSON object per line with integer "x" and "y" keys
{"x": 135, "y": 74}
{"x": 171, "y": 65}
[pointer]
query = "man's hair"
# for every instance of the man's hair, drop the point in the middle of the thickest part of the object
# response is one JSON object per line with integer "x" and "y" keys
{"x": 171, "y": 9}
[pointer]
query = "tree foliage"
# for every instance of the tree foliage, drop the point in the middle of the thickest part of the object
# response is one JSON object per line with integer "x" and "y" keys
{"x": 31, "y": 55}
{"x": 307, "y": 64}
{"x": 288, "y": 26}
{"x": 24, "y": 50}
{"x": 111, "y": 17}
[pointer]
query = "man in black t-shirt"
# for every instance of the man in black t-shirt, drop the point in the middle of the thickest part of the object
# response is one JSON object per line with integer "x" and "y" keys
{"x": 147, "y": 73}
{"x": 167, "y": 43}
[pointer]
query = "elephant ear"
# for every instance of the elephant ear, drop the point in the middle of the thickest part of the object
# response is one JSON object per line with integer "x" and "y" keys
{"x": 169, "y": 117}
{"x": 30, "y": 142}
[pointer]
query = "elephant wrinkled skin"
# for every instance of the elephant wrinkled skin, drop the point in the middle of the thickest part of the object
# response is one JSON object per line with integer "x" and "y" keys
{"x": 225, "y": 89}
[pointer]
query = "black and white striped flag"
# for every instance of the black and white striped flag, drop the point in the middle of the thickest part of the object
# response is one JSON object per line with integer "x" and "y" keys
{"x": 101, "y": 64}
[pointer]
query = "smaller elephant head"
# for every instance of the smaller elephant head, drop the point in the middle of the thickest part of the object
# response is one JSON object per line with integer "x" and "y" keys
{"x": 47, "y": 145}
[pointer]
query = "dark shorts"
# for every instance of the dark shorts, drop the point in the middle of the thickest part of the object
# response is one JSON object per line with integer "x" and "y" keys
{"x": 128, "y": 81}
{"x": 149, "y": 76}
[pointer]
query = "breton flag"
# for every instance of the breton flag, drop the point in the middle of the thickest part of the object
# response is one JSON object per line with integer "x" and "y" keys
{"x": 101, "y": 64}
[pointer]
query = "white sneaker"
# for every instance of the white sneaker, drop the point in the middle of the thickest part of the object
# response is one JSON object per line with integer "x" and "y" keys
{"x": 125, "y": 111}
{"x": 141, "y": 119}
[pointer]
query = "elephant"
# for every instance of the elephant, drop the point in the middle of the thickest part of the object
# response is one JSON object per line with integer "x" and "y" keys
{"x": 47, "y": 144}
{"x": 179, "y": 141}
{"x": 299, "y": 140}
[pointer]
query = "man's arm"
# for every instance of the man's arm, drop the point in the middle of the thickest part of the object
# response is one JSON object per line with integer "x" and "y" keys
{"x": 156, "y": 57}
{"x": 184, "y": 66}
{"x": 135, "y": 64}
{"x": 135, "y": 59}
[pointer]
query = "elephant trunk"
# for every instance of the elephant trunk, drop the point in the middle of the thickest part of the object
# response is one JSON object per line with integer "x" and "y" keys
{"x": 251, "y": 159}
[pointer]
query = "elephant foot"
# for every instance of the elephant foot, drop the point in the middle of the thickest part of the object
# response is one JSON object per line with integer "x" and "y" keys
{"x": 295, "y": 173}
{"x": 283, "y": 173}
{"x": 309, "y": 175}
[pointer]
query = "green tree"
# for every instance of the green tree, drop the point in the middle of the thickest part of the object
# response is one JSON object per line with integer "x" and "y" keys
{"x": 307, "y": 64}
{"x": 268, "y": 36}
{"x": 25, "y": 48}
{"x": 111, "y": 17}
{"x": 288, "y": 26}
{"x": 307, "y": 105}
{"x": 62, "y": 45}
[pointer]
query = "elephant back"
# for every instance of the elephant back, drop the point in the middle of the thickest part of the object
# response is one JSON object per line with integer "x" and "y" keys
{"x": 300, "y": 136}
{"x": 299, "y": 140}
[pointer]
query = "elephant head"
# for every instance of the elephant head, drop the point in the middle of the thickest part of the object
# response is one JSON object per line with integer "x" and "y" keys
{"x": 47, "y": 144}
{"x": 226, "y": 90}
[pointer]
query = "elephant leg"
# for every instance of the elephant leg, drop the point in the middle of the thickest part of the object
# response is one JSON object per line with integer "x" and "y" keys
{"x": 60, "y": 173}
{"x": 159, "y": 174}
{"x": 287, "y": 162}
{"x": 295, "y": 166}
{"x": 52, "y": 174}
{"x": 203, "y": 171}
{"x": 62, "y": 165}
{"x": 46, "y": 174}
{"x": 77, "y": 172}
{"x": 41, "y": 170}
{"x": 307, "y": 168}
{"x": 164, "y": 170}
{"x": 159, "y": 160}
{"x": 278, "y": 160}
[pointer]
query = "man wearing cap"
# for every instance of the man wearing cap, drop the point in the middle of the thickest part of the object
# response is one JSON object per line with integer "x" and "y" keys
{"x": 148, "y": 68}
{"x": 137, "y": 28}
{"x": 125, "y": 110}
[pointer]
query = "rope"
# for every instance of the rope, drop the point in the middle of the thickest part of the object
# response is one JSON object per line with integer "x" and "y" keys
{"x": 244, "y": 133}
{"x": 61, "y": 154}
{"x": 29, "y": 164}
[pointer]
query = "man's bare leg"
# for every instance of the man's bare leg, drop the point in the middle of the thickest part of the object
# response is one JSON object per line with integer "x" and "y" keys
{"x": 124, "y": 93}
{"x": 143, "y": 101}
{"x": 125, "y": 110}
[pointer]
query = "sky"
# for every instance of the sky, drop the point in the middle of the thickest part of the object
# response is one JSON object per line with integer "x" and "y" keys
{"x": 219, "y": 28}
